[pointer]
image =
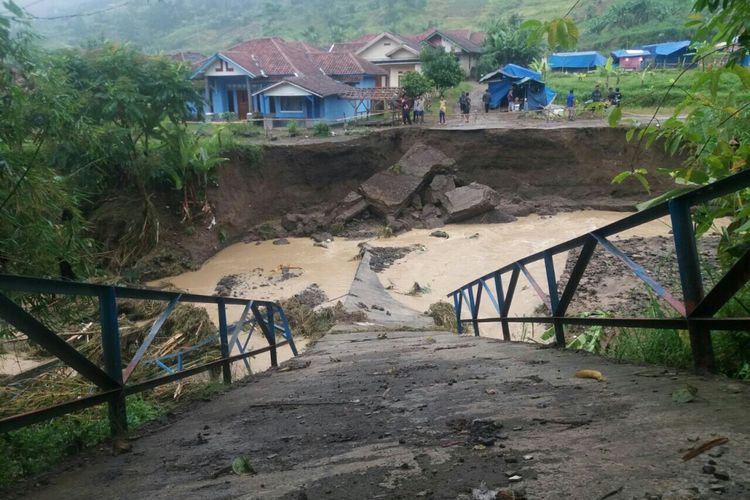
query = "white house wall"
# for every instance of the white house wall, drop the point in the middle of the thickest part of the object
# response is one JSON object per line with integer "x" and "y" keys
{"x": 286, "y": 91}
{"x": 379, "y": 50}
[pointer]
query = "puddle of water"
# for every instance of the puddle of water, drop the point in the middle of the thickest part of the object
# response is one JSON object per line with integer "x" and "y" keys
{"x": 443, "y": 264}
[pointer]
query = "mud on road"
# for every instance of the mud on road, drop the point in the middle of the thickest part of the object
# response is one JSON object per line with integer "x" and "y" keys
{"x": 433, "y": 415}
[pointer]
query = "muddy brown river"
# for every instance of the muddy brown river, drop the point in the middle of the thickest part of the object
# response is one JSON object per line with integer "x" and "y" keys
{"x": 268, "y": 271}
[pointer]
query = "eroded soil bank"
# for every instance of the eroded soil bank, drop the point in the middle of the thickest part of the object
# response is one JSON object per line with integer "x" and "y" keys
{"x": 548, "y": 170}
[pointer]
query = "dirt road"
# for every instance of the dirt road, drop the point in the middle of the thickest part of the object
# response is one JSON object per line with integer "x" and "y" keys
{"x": 396, "y": 417}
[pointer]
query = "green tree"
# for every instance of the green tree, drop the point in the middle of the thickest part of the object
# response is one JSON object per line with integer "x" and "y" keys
{"x": 441, "y": 67}
{"x": 415, "y": 83}
{"x": 42, "y": 230}
{"x": 507, "y": 43}
{"x": 710, "y": 129}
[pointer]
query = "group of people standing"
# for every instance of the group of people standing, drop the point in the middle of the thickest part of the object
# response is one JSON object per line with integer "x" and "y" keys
{"x": 614, "y": 98}
{"x": 412, "y": 110}
{"x": 412, "y": 107}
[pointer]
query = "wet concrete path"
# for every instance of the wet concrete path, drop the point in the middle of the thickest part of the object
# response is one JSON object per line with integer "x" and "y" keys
{"x": 360, "y": 416}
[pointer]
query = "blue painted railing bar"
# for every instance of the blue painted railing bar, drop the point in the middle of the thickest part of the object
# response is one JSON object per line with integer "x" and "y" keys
{"x": 696, "y": 309}
{"x": 112, "y": 381}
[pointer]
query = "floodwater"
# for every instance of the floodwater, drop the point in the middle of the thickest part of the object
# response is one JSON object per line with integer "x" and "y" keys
{"x": 268, "y": 271}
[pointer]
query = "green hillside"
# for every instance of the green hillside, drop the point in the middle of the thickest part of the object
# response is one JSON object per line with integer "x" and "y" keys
{"x": 168, "y": 25}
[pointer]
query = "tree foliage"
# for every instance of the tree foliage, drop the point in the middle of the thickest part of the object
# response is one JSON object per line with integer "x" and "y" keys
{"x": 506, "y": 42}
{"x": 711, "y": 129}
{"x": 76, "y": 126}
{"x": 415, "y": 83}
{"x": 441, "y": 67}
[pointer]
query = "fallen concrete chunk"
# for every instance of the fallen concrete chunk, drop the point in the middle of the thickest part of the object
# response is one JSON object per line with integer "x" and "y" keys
{"x": 391, "y": 191}
{"x": 435, "y": 192}
{"x": 422, "y": 160}
{"x": 350, "y": 207}
{"x": 468, "y": 201}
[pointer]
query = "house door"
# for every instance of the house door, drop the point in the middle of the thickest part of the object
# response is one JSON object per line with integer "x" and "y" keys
{"x": 242, "y": 105}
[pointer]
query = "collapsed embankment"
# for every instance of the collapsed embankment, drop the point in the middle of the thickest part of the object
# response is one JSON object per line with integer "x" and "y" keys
{"x": 548, "y": 170}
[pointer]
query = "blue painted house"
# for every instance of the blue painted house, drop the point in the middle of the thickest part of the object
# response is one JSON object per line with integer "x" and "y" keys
{"x": 286, "y": 80}
{"x": 576, "y": 61}
{"x": 669, "y": 53}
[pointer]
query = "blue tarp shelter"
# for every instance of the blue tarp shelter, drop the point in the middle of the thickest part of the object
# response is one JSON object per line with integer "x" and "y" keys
{"x": 524, "y": 82}
{"x": 576, "y": 61}
{"x": 745, "y": 61}
{"x": 669, "y": 53}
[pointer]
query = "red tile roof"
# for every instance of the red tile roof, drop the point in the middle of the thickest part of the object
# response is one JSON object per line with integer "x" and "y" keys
{"x": 354, "y": 45}
{"x": 345, "y": 63}
{"x": 300, "y": 63}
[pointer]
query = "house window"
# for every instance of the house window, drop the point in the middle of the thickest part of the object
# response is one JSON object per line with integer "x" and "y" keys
{"x": 387, "y": 44}
{"x": 292, "y": 103}
{"x": 228, "y": 67}
{"x": 220, "y": 67}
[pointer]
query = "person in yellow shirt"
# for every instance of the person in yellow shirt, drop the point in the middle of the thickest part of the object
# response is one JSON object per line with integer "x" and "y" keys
{"x": 443, "y": 109}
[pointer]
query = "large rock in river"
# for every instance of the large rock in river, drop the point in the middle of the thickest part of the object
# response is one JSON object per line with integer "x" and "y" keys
{"x": 390, "y": 192}
{"x": 350, "y": 207}
{"x": 435, "y": 192}
{"x": 469, "y": 201}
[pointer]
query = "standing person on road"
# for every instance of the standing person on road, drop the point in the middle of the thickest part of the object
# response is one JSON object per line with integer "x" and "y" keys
{"x": 510, "y": 100}
{"x": 486, "y": 100}
{"x": 405, "y": 108}
{"x": 443, "y": 109}
{"x": 419, "y": 110}
{"x": 467, "y": 107}
{"x": 570, "y": 103}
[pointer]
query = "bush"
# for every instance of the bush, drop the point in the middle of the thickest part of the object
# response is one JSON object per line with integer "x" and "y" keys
{"x": 293, "y": 129}
{"x": 36, "y": 448}
{"x": 229, "y": 116}
{"x": 321, "y": 129}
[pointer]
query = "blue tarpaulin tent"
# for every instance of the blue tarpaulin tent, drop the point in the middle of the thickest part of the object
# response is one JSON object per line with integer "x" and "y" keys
{"x": 576, "y": 61}
{"x": 669, "y": 53}
{"x": 527, "y": 84}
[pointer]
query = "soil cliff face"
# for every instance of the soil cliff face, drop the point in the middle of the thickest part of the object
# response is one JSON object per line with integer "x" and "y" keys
{"x": 569, "y": 168}
{"x": 549, "y": 169}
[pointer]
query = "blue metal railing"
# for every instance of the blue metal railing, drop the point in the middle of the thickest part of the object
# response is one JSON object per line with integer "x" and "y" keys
{"x": 696, "y": 309}
{"x": 112, "y": 381}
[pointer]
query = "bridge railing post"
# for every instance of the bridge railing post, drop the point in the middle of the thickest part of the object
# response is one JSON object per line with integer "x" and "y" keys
{"x": 118, "y": 419}
{"x": 272, "y": 335}
{"x": 554, "y": 298}
{"x": 458, "y": 299}
{"x": 226, "y": 368}
{"x": 692, "y": 283}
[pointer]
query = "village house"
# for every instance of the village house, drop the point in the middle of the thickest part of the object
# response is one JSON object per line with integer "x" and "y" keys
{"x": 669, "y": 54}
{"x": 576, "y": 61}
{"x": 465, "y": 44}
{"x": 395, "y": 54}
{"x": 286, "y": 81}
{"x": 399, "y": 54}
{"x": 629, "y": 58}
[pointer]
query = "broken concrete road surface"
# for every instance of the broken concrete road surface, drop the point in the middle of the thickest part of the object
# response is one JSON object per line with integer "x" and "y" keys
{"x": 433, "y": 415}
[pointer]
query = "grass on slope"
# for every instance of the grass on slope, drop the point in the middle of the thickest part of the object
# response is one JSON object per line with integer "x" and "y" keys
{"x": 639, "y": 89}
